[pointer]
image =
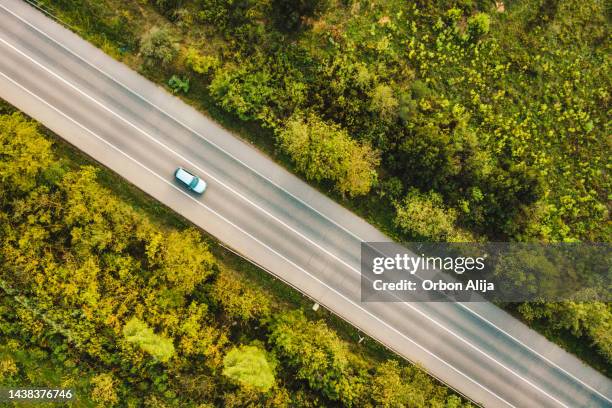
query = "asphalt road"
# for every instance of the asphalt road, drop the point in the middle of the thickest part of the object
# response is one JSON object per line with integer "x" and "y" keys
{"x": 269, "y": 216}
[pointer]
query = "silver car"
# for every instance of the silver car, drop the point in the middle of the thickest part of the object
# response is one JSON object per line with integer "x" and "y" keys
{"x": 192, "y": 182}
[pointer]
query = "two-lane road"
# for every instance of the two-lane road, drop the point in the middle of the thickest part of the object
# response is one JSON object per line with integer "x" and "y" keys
{"x": 271, "y": 217}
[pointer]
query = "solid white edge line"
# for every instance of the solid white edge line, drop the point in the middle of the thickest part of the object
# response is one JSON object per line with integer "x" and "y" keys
{"x": 269, "y": 215}
{"x": 256, "y": 240}
{"x": 189, "y": 128}
{"x": 533, "y": 351}
{"x": 177, "y": 154}
{"x": 289, "y": 193}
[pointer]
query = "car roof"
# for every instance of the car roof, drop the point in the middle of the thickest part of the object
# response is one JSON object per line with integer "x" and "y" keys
{"x": 184, "y": 175}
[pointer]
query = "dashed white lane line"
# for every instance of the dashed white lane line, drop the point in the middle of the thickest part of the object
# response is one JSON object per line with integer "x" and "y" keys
{"x": 194, "y": 165}
{"x": 289, "y": 193}
{"x": 256, "y": 240}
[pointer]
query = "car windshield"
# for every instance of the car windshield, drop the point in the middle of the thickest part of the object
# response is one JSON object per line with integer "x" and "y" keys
{"x": 194, "y": 182}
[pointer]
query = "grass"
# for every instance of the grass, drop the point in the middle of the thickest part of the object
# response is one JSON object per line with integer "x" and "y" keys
{"x": 283, "y": 295}
{"x": 375, "y": 210}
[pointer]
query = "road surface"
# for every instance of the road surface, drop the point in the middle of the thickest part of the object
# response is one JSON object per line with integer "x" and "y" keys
{"x": 271, "y": 217}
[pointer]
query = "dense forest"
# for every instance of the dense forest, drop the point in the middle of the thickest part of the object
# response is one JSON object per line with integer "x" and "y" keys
{"x": 490, "y": 117}
{"x": 448, "y": 120}
{"x": 100, "y": 297}
{"x": 495, "y": 119}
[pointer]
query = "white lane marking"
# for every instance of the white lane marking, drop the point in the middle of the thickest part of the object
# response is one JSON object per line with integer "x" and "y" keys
{"x": 534, "y": 352}
{"x": 356, "y": 325}
{"x": 269, "y": 214}
{"x": 181, "y": 123}
{"x": 177, "y": 154}
{"x": 289, "y": 193}
{"x": 254, "y": 238}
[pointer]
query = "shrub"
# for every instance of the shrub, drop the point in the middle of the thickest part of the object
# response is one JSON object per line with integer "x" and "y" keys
{"x": 243, "y": 91}
{"x": 239, "y": 300}
{"x": 137, "y": 332}
{"x": 326, "y": 152}
{"x": 423, "y": 215}
{"x": 178, "y": 85}
{"x": 200, "y": 64}
{"x": 157, "y": 46}
{"x": 168, "y": 6}
{"x": 478, "y": 24}
{"x": 454, "y": 15}
{"x": 104, "y": 389}
{"x": 249, "y": 367}
{"x": 420, "y": 90}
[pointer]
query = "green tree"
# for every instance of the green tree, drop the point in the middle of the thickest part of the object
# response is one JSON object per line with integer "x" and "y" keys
{"x": 424, "y": 216}
{"x": 592, "y": 320}
{"x": 437, "y": 155}
{"x": 157, "y": 47}
{"x": 23, "y": 152}
{"x": 479, "y": 24}
{"x": 388, "y": 387}
{"x": 250, "y": 367}
{"x": 96, "y": 220}
{"x": 323, "y": 151}
{"x": 238, "y": 299}
{"x": 384, "y": 102}
{"x": 136, "y": 331}
{"x": 318, "y": 355}
{"x": 200, "y": 64}
{"x": 180, "y": 258}
{"x": 245, "y": 90}
{"x": 104, "y": 390}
